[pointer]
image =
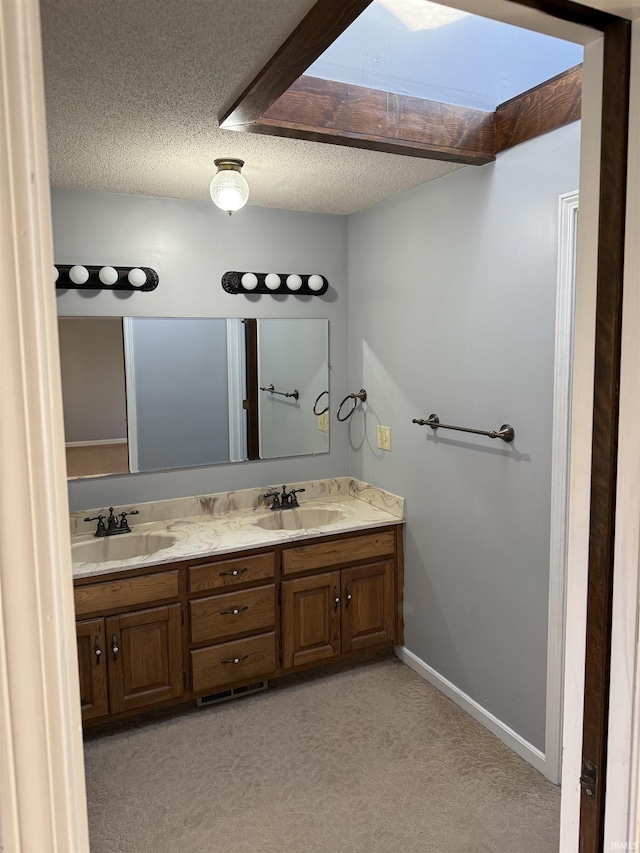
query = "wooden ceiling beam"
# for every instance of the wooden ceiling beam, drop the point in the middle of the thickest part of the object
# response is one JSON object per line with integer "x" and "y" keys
{"x": 326, "y": 20}
{"x": 552, "y": 104}
{"x": 343, "y": 114}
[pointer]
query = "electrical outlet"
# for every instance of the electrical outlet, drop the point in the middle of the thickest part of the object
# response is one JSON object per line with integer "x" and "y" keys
{"x": 323, "y": 422}
{"x": 384, "y": 437}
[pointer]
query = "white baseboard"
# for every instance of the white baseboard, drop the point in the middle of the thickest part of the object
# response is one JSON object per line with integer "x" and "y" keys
{"x": 512, "y": 739}
{"x": 92, "y": 443}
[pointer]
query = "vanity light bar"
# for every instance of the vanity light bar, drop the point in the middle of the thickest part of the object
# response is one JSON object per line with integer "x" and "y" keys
{"x": 274, "y": 282}
{"x": 84, "y": 277}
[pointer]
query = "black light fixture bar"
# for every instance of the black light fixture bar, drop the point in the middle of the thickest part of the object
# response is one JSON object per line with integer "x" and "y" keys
{"x": 275, "y": 283}
{"x": 105, "y": 277}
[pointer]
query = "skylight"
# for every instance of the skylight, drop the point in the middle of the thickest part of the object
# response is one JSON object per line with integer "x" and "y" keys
{"x": 422, "y": 49}
{"x": 422, "y": 15}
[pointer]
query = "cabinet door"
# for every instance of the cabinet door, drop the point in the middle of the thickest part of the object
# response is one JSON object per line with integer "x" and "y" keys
{"x": 144, "y": 649}
{"x": 92, "y": 663}
{"x": 369, "y": 606}
{"x": 310, "y": 619}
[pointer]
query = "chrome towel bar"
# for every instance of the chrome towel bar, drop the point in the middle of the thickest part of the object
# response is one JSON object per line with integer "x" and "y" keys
{"x": 272, "y": 390}
{"x": 506, "y": 431}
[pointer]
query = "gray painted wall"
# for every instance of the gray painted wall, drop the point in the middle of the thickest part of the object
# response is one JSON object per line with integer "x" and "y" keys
{"x": 92, "y": 367}
{"x": 452, "y": 310}
{"x": 191, "y": 244}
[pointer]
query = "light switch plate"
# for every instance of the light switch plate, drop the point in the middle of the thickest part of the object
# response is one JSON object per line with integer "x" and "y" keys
{"x": 323, "y": 422}
{"x": 384, "y": 437}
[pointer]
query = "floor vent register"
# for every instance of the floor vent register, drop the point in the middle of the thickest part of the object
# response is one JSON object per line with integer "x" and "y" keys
{"x": 236, "y": 693}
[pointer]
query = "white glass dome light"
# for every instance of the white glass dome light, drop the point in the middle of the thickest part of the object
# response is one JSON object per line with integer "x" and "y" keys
{"x": 137, "y": 277}
{"x": 108, "y": 275}
{"x": 79, "y": 274}
{"x": 229, "y": 189}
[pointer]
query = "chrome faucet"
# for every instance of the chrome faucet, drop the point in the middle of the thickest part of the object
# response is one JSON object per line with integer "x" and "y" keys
{"x": 286, "y": 500}
{"x": 112, "y": 527}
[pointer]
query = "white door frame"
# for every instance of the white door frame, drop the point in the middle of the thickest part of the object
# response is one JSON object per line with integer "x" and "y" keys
{"x": 565, "y": 298}
{"x": 131, "y": 393}
{"x": 42, "y": 791}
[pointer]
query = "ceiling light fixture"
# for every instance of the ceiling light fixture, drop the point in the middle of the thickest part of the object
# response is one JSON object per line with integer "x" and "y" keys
{"x": 229, "y": 188}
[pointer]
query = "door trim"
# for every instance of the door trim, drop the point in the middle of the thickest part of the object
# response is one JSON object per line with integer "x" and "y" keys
{"x": 42, "y": 789}
{"x": 565, "y": 298}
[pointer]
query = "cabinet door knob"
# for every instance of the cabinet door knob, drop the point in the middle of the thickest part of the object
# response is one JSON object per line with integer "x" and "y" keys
{"x": 235, "y": 611}
{"x": 235, "y": 661}
{"x": 349, "y": 596}
{"x": 336, "y": 598}
{"x": 98, "y": 650}
{"x": 114, "y": 647}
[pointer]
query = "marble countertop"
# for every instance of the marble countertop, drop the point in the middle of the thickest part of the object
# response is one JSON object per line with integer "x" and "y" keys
{"x": 217, "y": 524}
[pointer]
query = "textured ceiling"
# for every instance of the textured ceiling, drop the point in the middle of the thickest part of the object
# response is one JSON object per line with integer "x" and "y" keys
{"x": 134, "y": 89}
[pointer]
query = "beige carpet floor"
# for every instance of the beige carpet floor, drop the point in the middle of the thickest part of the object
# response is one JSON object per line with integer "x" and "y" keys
{"x": 363, "y": 760}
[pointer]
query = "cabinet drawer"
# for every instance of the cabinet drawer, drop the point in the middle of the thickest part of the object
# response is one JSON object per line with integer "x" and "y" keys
{"x": 234, "y": 661}
{"x": 232, "y": 613}
{"x": 231, "y": 572}
{"x": 322, "y": 555}
{"x": 99, "y": 597}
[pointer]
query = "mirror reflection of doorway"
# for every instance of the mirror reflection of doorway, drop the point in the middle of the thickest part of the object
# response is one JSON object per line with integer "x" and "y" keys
{"x": 93, "y": 390}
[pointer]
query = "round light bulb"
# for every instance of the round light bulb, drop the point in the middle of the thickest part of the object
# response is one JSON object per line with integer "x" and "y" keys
{"x": 229, "y": 190}
{"x": 294, "y": 282}
{"x": 272, "y": 280}
{"x": 79, "y": 275}
{"x": 137, "y": 277}
{"x": 249, "y": 281}
{"x": 56, "y": 274}
{"x": 108, "y": 275}
{"x": 315, "y": 282}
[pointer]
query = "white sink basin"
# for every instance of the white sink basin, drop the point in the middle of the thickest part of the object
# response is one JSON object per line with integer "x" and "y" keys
{"x": 124, "y": 546}
{"x": 299, "y": 519}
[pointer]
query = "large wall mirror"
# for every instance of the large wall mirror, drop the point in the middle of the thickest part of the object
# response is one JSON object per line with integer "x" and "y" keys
{"x": 154, "y": 393}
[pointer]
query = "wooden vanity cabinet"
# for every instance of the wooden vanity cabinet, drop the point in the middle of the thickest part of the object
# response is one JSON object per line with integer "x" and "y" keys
{"x": 333, "y": 613}
{"x": 92, "y": 665}
{"x": 232, "y": 629}
{"x": 129, "y": 655}
{"x": 174, "y": 633}
{"x": 144, "y": 655}
{"x": 130, "y": 661}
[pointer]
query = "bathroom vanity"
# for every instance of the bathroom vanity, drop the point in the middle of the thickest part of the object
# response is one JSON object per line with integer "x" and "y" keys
{"x": 242, "y": 594}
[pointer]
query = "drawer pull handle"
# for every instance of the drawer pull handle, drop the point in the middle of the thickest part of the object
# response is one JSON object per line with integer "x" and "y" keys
{"x": 349, "y": 596}
{"x": 336, "y": 598}
{"x": 235, "y": 611}
{"x": 232, "y": 574}
{"x": 98, "y": 650}
{"x": 235, "y": 661}
{"x": 114, "y": 647}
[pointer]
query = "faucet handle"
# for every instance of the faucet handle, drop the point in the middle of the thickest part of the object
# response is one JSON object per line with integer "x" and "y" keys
{"x": 276, "y": 498}
{"x": 100, "y": 519}
{"x": 124, "y": 524}
{"x": 292, "y": 496}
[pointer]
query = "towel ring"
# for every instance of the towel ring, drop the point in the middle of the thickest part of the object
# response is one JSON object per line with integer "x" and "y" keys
{"x": 361, "y": 395}
{"x": 326, "y": 408}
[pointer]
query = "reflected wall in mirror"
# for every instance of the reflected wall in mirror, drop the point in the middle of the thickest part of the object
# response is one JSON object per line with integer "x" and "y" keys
{"x": 152, "y": 393}
{"x": 178, "y": 392}
{"x": 292, "y": 358}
